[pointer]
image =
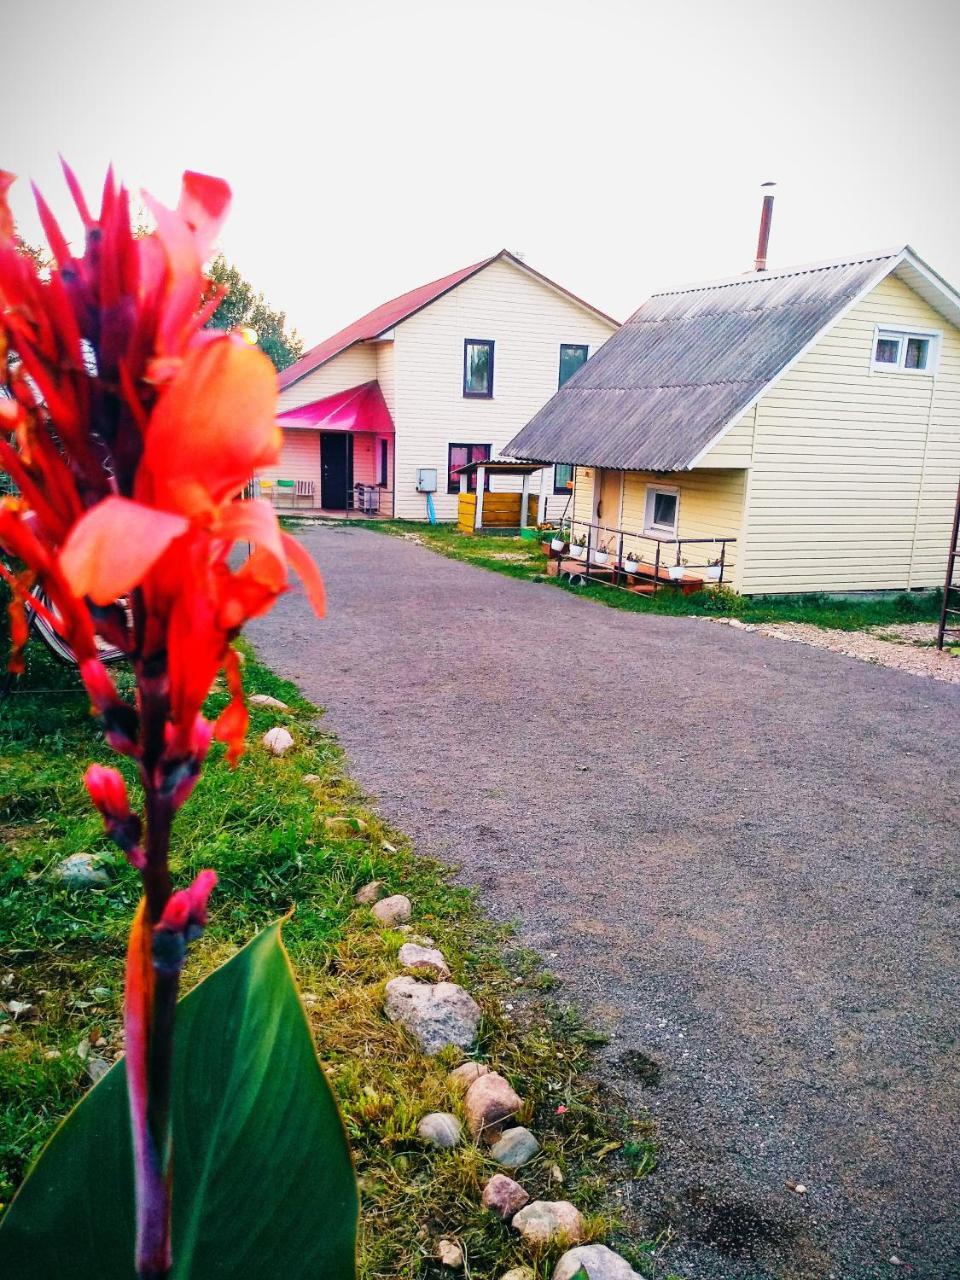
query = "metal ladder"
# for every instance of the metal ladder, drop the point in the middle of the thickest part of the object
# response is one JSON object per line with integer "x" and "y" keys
{"x": 951, "y": 587}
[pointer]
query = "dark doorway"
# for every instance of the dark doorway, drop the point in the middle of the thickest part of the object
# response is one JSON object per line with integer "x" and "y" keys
{"x": 336, "y": 469}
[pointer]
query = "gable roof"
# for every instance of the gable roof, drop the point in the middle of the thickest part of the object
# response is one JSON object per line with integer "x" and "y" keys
{"x": 690, "y": 361}
{"x": 383, "y": 318}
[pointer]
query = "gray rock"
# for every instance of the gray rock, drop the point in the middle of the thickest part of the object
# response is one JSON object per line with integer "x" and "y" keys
{"x": 462, "y": 1077}
{"x": 440, "y": 1129}
{"x": 490, "y": 1100}
{"x": 370, "y": 893}
{"x": 545, "y": 1221}
{"x": 82, "y": 871}
{"x": 97, "y": 1068}
{"x": 436, "y": 1014}
{"x": 504, "y": 1196}
{"x": 514, "y": 1147}
{"x": 423, "y": 959}
{"x": 266, "y": 700}
{"x": 278, "y": 741}
{"x": 599, "y": 1262}
{"x": 392, "y": 911}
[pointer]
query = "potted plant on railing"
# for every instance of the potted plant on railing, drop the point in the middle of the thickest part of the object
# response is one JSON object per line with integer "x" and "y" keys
{"x": 677, "y": 571}
{"x": 560, "y": 541}
{"x": 578, "y": 547}
{"x": 712, "y": 571}
{"x": 631, "y": 561}
{"x": 601, "y": 553}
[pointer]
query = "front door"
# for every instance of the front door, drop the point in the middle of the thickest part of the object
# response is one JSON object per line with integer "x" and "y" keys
{"x": 606, "y": 499}
{"x": 336, "y": 469}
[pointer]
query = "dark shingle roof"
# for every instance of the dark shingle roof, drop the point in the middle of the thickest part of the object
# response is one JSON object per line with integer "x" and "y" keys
{"x": 686, "y": 364}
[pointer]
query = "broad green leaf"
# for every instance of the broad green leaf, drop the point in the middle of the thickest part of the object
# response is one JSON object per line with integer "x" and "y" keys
{"x": 263, "y": 1180}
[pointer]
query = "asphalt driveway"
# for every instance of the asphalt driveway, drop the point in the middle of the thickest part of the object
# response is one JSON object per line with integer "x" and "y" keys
{"x": 740, "y": 855}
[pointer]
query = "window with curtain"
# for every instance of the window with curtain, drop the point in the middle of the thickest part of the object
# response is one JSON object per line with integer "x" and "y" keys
{"x": 660, "y": 512}
{"x": 572, "y": 356}
{"x": 458, "y": 455}
{"x": 478, "y": 368}
{"x": 904, "y": 351}
{"x": 562, "y": 477}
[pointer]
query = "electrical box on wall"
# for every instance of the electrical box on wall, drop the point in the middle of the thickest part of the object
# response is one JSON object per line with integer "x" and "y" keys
{"x": 426, "y": 479}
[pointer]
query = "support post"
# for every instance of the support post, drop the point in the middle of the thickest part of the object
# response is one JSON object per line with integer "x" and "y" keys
{"x": 524, "y": 499}
{"x": 542, "y": 498}
{"x": 481, "y": 481}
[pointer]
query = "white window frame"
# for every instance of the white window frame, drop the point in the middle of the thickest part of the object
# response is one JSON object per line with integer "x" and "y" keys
{"x": 901, "y": 332}
{"x": 650, "y": 498}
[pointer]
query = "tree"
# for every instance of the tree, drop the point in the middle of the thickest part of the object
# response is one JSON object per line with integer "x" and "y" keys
{"x": 244, "y": 308}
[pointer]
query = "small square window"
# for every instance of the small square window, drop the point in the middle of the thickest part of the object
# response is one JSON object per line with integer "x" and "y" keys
{"x": 660, "y": 517}
{"x": 904, "y": 351}
{"x": 478, "y": 369}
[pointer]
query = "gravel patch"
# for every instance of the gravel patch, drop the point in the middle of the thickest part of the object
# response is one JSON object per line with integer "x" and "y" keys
{"x": 739, "y": 856}
{"x": 903, "y": 646}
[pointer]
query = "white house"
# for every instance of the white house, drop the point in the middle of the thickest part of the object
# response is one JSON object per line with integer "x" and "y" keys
{"x": 439, "y": 377}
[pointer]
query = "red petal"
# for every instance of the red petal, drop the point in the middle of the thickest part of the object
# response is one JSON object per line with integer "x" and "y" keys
{"x": 212, "y": 427}
{"x": 113, "y": 547}
{"x": 204, "y": 203}
{"x": 307, "y": 572}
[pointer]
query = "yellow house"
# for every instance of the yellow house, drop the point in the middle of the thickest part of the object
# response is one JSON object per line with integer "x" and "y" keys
{"x": 810, "y": 414}
{"x": 379, "y": 417}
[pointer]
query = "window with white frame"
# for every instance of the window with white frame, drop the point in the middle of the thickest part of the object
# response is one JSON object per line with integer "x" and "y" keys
{"x": 660, "y": 513}
{"x": 904, "y": 350}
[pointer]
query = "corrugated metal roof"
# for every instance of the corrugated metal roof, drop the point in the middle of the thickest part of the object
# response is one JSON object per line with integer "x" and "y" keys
{"x": 686, "y": 364}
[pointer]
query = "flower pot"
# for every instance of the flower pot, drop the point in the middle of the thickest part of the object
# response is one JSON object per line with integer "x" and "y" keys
{"x": 557, "y": 544}
{"x": 676, "y": 571}
{"x": 601, "y": 557}
{"x": 711, "y": 573}
{"x": 578, "y": 553}
{"x": 630, "y": 566}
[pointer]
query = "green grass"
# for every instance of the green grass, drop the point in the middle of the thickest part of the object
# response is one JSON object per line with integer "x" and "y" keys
{"x": 518, "y": 558}
{"x": 279, "y": 843}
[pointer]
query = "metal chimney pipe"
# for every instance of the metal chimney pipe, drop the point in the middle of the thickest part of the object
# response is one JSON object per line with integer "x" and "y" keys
{"x": 766, "y": 217}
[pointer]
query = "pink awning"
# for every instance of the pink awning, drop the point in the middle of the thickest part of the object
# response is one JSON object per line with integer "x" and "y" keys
{"x": 360, "y": 408}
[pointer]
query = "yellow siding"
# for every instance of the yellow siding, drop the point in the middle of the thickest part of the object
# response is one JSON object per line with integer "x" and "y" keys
{"x": 349, "y": 369}
{"x": 384, "y": 352}
{"x": 710, "y": 506}
{"x": 854, "y": 472}
{"x": 527, "y": 320}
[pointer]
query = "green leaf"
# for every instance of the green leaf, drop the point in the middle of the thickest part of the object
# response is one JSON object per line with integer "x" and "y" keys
{"x": 263, "y": 1180}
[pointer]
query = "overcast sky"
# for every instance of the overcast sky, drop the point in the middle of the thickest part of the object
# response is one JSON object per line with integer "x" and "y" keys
{"x": 618, "y": 145}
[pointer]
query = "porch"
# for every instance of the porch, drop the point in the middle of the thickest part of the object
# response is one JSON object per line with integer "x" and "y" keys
{"x": 640, "y": 562}
{"x": 337, "y": 457}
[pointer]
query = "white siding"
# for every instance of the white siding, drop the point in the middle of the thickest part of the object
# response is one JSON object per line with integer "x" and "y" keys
{"x": 527, "y": 320}
{"x": 349, "y": 369}
{"x": 853, "y": 472}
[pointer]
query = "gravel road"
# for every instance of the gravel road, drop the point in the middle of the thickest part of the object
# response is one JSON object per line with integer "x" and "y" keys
{"x": 740, "y": 855}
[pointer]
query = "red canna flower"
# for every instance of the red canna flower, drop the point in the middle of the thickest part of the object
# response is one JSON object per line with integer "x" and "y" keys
{"x": 130, "y": 431}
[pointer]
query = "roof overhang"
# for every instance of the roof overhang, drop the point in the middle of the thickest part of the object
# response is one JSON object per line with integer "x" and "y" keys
{"x": 360, "y": 408}
{"x": 499, "y": 468}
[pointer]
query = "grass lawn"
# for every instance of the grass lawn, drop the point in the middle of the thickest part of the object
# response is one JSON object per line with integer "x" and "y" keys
{"x": 521, "y": 559}
{"x": 278, "y": 842}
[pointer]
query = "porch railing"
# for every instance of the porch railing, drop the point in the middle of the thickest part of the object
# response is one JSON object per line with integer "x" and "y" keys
{"x": 606, "y": 549}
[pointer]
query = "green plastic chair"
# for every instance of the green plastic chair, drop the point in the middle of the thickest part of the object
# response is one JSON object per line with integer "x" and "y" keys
{"x": 285, "y": 491}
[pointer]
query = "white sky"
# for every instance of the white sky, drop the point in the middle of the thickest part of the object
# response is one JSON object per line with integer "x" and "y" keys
{"x": 618, "y": 145}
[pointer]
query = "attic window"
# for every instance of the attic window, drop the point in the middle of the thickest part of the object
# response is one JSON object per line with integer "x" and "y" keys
{"x": 904, "y": 351}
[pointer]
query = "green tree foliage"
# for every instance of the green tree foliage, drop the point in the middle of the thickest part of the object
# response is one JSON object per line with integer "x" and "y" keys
{"x": 243, "y": 307}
